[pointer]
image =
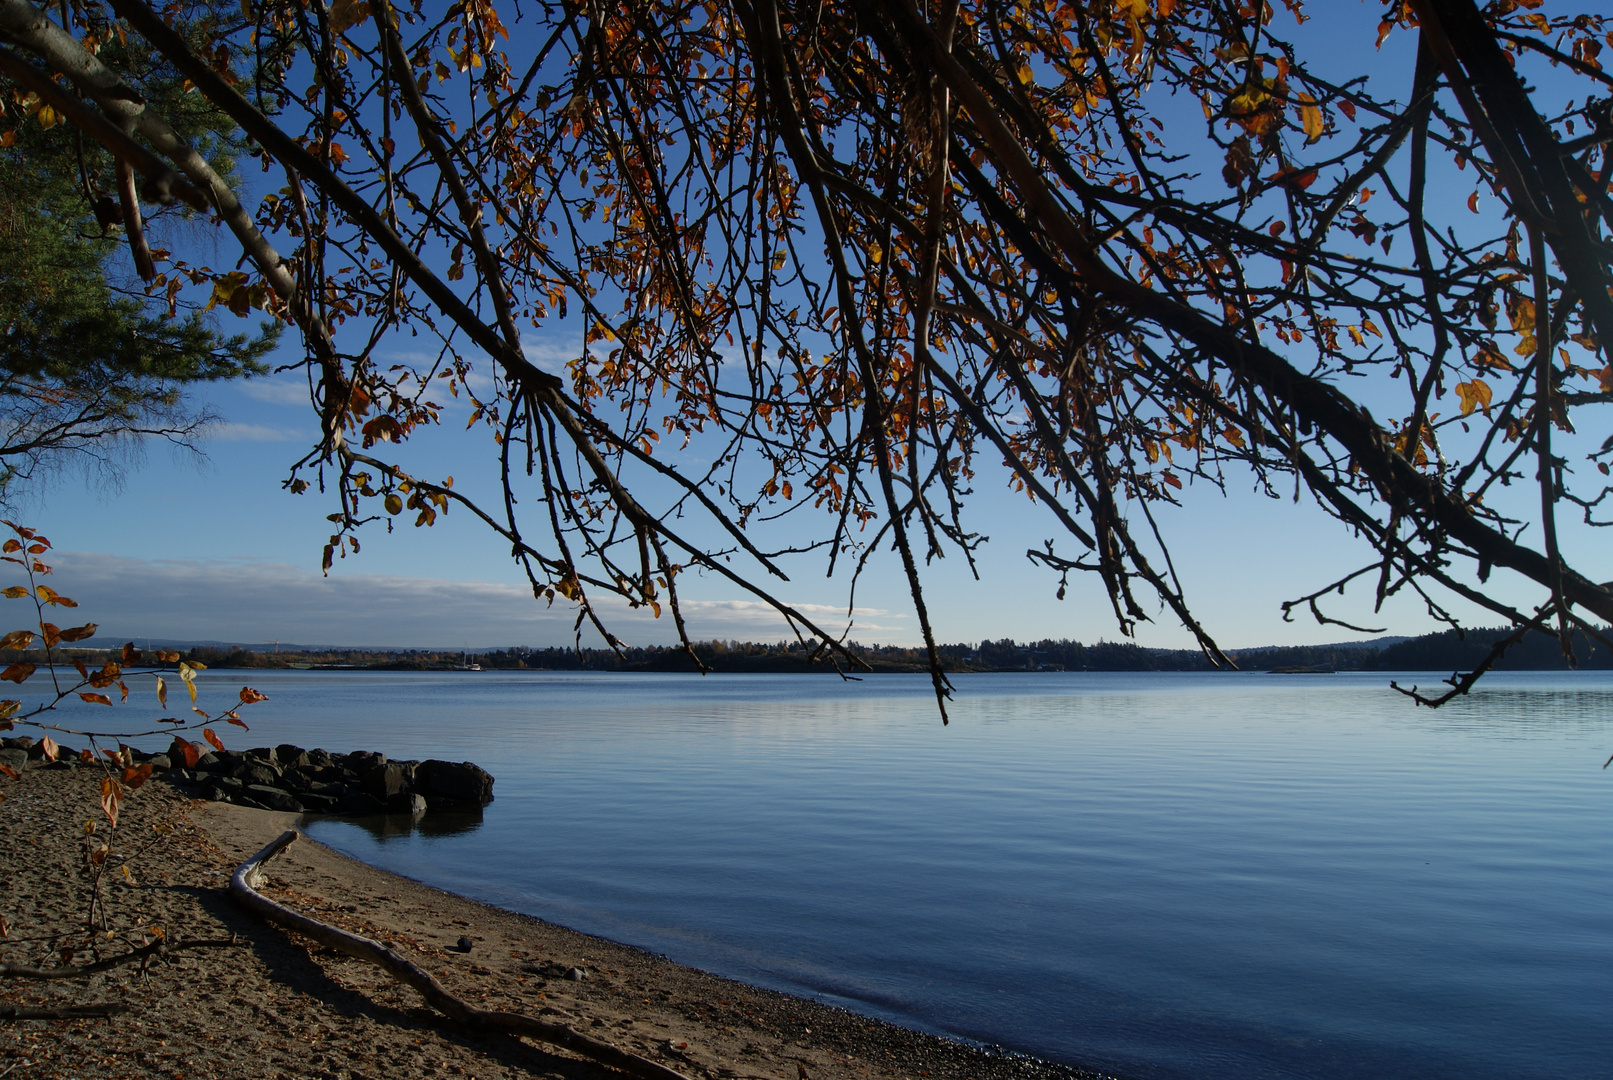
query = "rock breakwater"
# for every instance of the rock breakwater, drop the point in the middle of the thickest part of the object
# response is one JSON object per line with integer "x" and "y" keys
{"x": 289, "y": 778}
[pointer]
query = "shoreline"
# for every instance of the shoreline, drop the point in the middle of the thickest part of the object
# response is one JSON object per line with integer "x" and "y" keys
{"x": 355, "y": 1023}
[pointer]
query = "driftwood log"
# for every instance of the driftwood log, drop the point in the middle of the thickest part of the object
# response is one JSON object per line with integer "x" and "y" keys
{"x": 243, "y": 889}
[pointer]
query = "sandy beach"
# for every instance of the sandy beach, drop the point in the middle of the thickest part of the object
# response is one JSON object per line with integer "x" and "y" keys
{"x": 274, "y": 1004}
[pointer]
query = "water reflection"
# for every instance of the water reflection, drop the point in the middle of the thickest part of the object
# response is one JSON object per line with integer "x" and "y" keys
{"x": 391, "y": 827}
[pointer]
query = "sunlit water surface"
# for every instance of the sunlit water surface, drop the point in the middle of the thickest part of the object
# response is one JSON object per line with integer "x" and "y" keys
{"x": 1158, "y": 875}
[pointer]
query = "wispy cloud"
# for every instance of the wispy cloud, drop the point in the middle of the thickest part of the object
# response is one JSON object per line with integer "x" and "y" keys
{"x": 259, "y": 601}
{"x": 281, "y": 391}
{"x": 231, "y": 431}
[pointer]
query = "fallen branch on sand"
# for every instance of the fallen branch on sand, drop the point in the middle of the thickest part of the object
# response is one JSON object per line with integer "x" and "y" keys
{"x": 62, "y": 1012}
{"x": 160, "y": 947}
{"x": 243, "y": 889}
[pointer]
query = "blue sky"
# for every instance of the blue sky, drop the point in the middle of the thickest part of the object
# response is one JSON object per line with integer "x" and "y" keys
{"x": 216, "y": 549}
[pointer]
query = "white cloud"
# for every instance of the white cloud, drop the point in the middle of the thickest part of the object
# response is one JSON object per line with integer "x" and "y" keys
{"x": 260, "y": 601}
{"x": 284, "y": 391}
{"x": 231, "y": 431}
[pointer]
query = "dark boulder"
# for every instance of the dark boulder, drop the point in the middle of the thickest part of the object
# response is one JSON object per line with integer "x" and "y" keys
{"x": 359, "y": 804}
{"x": 264, "y": 753}
{"x": 389, "y": 780}
{"x": 318, "y": 804}
{"x": 362, "y": 761}
{"x": 320, "y": 759}
{"x": 16, "y": 758}
{"x": 256, "y": 772}
{"x": 273, "y": 798}
{"x": 288, "y": 753}
{"x": 405, "y": 802}
{"x": 459, "y": 782}
{"x": 159, "y": 762}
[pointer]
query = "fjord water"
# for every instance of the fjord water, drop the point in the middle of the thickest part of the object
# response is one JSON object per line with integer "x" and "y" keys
{"x": 1173, "y": 875}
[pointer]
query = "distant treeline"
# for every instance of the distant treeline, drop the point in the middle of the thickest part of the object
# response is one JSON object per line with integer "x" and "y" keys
{"x": 1446, "y": 651}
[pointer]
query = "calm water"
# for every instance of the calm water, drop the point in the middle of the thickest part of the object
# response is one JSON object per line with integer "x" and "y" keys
{"x": 1163, "y": 876}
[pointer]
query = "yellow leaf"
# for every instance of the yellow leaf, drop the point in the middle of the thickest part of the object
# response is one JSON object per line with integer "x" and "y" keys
{"x": 17, "y": 639}
{"x": 1311, "y": 117}
{"x": 162, "y": 692}
{"x": 15, "y": 592}
{"x": 1474, "y": 394}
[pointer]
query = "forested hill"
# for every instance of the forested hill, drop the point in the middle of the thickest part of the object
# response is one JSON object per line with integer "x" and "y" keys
{"x": 1443, "y": 652}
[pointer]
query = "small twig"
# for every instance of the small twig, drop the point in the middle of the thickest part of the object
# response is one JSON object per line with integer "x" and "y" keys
{"x": 63, "y": 1012}
{"x": 156, "y": 948}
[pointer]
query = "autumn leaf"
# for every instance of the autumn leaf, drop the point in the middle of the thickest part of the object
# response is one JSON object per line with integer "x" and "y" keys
{"x": 111, "y": 796}
{"x": 96, "y": 699}
{"x": 250, "y": 696}
{"x": 346, "y": 14}
{"x": 1310, "y": 117}
{"x": 162, "y": 692}
{"x": 51, "y": 596}
{"x": 213, "y": 740}
{"x": 15, "y": 592}
{"x": 236, "y": 720}
{"x": 8, "y": 771}
{"x": 78, "y": 633}
{"x": 49, "y": 748}
{"x": 187, "y": 751}
{"x": 1474, "y": 394}
{"x": 17, "y": 639}
{"x": 17, "y": 672}
{"x": 52, "y": 634}
{"x": 135, "y": 775}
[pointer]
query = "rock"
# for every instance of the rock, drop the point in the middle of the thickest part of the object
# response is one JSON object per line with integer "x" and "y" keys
{"x": 226, "y": 783}
{"x": 361, "y": 805}
{"x": 159, "y": 762}
{"x": 264, "y": 753}
{"x": 296, "y": 780}
{"x": 320, "y": 759}
{"x": 273, "y": 798}
{"x": 465, "y": 944}
{"x": 256, "y": 772}
{"x": 17, "y": 742}
{"x": 290, "y": 756}
{"x": 406, "y": 802}
{"x": 460, "y": 782}
{"x": 229, "y": 759}
{"x": 362, "y": 761}
{"x": 209, "y": 762}
{"x": 326, "y": 788}
{"x": 577, "y": 974}
{"x": 388, "y": 780}
{"x": 14, "y": 757}
{"x": 318, "y": 804}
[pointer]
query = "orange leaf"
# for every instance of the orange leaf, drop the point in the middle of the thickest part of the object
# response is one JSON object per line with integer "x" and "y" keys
{"x": 131, "y": 655}
{"x": 111, "y": 795}
{"x": 207, "y": 733}
{"x": 79, "y": 633}
{"x": 250, "y": 696}
{"x": 135, "y": 775}
{"x": 187, "y": 751}
{"x": 49, "y": 747}
{"x": 17, "y": 639}
{"x": 7, "y": 770}
{"x": 96, "y": 699}
{"x": 17, "y": 672}
{"x": 236, "y": 720}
